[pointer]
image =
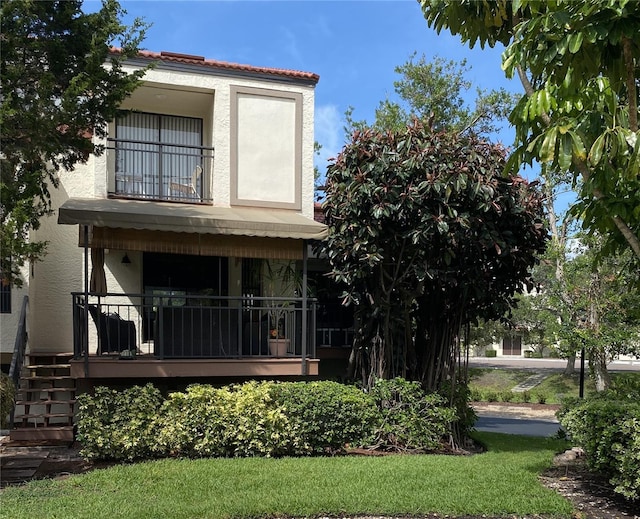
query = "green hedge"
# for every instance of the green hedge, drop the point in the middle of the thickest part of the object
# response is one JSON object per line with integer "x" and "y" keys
{"x": 411, "y": 418}
{"x": 326, "y": 415}
{"x": 259, "y": 419}
{"x": 119, "y": 425}
{"x": 608, "y": 429}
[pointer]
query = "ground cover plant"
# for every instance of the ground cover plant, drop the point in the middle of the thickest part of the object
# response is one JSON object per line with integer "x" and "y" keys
{"x": 502, "y": 481}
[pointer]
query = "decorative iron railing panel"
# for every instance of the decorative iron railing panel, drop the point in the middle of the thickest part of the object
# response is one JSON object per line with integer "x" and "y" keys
{"x": 187, "y": 327}
{"x": 160, "y": 171}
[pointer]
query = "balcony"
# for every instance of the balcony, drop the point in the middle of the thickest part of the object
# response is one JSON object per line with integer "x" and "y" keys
{"x": 175, "y": 335}
{"x": 147, "y": 170}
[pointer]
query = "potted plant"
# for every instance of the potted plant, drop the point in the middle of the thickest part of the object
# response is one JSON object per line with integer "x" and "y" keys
{"x": 281, "y": 279}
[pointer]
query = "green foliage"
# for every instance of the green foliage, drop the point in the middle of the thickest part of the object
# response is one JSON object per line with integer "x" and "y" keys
{"x": 326, "y": 415}
{"x": 507, "y": 396}
{"x": 609, "y": 432}
{"x": 7, "y": 395}
{"x": 624, "y": 386}
{"x": 119, "y": 425}
{"x": 251, "y": 419}
{"x": 56, "y": 95}
{"x": 238, "y": 420}
{"x": 434, "y": 92}
{"x": 580, "y": 113}
{"x": 424, "y": 229}
{"x": 411, "y": 418}
{"x": 490, "y": 396}
{"x": 194, "y": 424}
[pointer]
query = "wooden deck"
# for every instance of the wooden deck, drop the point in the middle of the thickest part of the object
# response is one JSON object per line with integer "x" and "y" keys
{"x": 144, "y": 366}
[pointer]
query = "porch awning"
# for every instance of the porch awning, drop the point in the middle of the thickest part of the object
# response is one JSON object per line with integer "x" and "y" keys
{"x": 199, "y": 219}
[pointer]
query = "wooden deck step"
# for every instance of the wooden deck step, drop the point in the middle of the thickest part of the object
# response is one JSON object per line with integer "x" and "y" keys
{"x": 44, "y": 378}
{"x": 46, "y": 402}
{"x": 63, "y": 433}
{"x": 63, "y": 389}
{"x": 45, "y": 399}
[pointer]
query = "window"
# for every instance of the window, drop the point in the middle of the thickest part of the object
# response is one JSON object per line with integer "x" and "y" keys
{"x": 5, "y": 297}
{"x": 159, "y": 157}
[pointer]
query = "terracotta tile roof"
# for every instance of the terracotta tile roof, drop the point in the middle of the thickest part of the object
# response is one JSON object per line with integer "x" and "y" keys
{"x": 318, "y": 213}
{"x": 225, "y": 65}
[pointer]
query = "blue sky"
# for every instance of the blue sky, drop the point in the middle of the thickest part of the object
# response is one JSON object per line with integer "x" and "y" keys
{"x": 353, "y": 46}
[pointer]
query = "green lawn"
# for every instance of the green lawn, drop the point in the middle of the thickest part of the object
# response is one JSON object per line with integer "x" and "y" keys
{"x": 552, "y": 389}
{"x": 502, "y": 481}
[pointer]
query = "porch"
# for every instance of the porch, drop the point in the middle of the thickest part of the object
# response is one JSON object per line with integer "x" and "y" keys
{"x": 168, "y": 335}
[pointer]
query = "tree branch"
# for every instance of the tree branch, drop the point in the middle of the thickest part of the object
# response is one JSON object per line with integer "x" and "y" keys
{"x": 582, "y": 167}
{"x": 631, "y": 84}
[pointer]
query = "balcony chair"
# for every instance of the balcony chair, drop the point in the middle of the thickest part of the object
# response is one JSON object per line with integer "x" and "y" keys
{"x": 188, "y": 188}
{"x": 115, "y": 334}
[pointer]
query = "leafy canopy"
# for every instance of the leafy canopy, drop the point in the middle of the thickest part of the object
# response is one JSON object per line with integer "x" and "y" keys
{"x": 57, "y": 93}
{"x": 423, "y": 225}
{"x": 434, "y": 92}
{"x": 578, "y": 62}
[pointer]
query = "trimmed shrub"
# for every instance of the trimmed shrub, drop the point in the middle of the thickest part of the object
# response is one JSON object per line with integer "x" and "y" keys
{"x": 119, "y": 425}
{"x": 326, "y": 415}
{"x": 411, "y": 418}
{"x": 507, "y": 396}
{"x": 7, "y": 395}
{"x": 475, "y": 394}
{"x": 609, "y": 432}
{"x": 193, "y": 423}
{"x": 490, "y": 396}
{"x": 238, "y": 420}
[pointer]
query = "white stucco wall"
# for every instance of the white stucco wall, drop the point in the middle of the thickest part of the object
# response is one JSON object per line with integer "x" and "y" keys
{"x": 62, "y": 271}
{"x": 9, "y": 321}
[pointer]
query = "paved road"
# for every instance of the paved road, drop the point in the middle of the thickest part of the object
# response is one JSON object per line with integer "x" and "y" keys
{"x": 551, "y": 364}
{"x": 524, "y": 426}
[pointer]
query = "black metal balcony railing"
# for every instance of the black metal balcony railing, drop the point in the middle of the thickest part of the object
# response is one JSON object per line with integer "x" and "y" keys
{"x": 161, "y": 171}
{"x": 183, "y": 327}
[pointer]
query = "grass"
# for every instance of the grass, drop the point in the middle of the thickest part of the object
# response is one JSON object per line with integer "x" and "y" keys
{"x": 490, "y": 381}
{"x": 502, "y": 481}
{"x": 497, "y": 380}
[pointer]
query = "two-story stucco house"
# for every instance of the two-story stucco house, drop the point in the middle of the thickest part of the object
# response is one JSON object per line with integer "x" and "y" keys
{"x": 181, "y": 252}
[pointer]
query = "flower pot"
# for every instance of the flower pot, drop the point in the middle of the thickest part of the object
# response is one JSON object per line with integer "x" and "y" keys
{"x": 278, "y": 347}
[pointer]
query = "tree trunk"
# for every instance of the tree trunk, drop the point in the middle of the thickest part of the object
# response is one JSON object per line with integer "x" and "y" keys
{"x": 598, "y": 364}
{"x": 570, "y": 368}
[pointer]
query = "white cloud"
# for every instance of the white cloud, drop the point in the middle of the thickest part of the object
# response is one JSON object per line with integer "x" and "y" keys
{"x": 329, "y": 133}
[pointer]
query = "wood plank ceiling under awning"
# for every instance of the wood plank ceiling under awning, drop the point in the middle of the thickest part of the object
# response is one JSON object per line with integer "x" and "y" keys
{"x": 191, "y": 229}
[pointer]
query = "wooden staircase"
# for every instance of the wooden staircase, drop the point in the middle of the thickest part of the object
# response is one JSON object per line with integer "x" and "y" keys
{"x": 45, "y": 400}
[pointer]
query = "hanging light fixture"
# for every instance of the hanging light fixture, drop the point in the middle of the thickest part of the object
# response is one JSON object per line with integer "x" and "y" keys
{"x": 125, "y": 259}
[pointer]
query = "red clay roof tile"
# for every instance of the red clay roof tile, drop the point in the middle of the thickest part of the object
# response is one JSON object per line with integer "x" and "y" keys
{"x": 200, "y": 60}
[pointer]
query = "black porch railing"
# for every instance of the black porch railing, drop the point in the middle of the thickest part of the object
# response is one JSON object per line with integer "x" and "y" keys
{"x": 161, "y": 171}
{"x": 191, "y": 327}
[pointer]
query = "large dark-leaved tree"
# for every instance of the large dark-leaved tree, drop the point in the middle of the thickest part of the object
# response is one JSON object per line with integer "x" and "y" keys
{"x": 60, "y": 86}
{"x": 426, "y": 235}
